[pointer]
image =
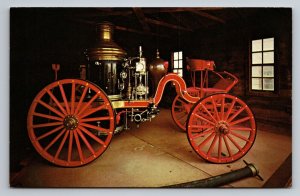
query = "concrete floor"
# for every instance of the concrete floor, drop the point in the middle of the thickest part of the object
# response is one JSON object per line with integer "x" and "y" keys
{"x": 155, "y": 154}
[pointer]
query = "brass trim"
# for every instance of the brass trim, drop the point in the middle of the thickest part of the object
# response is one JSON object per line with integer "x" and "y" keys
{"x": 118, "y": 104}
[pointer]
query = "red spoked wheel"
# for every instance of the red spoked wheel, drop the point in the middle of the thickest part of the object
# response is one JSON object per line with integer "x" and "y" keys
{"x": 181, "y": 108}
{"x": 221, "y": 128}
{"x": 71, "y": 122}
{"x": 180, "y": 111}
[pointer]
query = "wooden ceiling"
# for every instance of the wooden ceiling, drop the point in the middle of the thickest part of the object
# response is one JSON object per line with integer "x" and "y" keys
{"x": 162, "y": 22}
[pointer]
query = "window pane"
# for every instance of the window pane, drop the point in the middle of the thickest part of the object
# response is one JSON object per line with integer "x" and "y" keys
{"x": 268, "y": 71}
{"x": 256, "y": 84}
{"x": 180, "y": 64}
{"x": 180, "y": 72}
{"x": 257, "y": 58}
{"x": 180, "y": 55}
{"x": 175, "y": 64}
{"x": 268, "y": 57}
{"x": 256, "y": 71}
{"x": 269, "y": 84}
{"x": 268, "y": 44}
{"x": 175, "y": 55}
{"x": 175, "y": 71}
{"x": 256, "y": 45}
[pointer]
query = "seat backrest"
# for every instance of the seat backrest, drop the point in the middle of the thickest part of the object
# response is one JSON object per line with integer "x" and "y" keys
{"x": 200, "y": 65}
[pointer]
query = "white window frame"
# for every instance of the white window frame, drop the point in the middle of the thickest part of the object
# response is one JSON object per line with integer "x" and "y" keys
{"x": 177, "y": 62}
{"x": 261, "y": 66}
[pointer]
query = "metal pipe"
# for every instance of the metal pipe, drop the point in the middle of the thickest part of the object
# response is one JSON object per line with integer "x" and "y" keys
{"x": 248, "y": 171}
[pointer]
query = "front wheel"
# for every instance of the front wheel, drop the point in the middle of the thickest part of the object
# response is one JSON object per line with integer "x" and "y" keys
{"x": 70, "y": 122}
{"x": 221, "y": 128}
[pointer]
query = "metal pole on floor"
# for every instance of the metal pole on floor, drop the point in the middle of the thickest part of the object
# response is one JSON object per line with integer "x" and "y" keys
{"x": 248, "y": 171}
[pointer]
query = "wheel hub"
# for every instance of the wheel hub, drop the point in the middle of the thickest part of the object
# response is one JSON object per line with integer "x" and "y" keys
{"x": 70, "y": 122}
{"x": 222, "y": 128}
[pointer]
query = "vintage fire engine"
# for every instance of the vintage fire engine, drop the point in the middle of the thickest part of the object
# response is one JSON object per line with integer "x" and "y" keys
{"x": 72, "y": 121}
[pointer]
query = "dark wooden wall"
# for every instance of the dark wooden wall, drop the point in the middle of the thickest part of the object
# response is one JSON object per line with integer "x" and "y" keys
{"x": 229, "y": 46}
{"x": 39, "y": 38}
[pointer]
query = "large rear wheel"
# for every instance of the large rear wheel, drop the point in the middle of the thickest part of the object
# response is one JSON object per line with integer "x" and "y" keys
{"x": 71, "y": 122}
{"x": 221, "y": 128}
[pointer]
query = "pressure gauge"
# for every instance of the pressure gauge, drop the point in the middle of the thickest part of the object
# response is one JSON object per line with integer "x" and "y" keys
{"x": 141, "y": 65}
{"x": 123, "y": 75}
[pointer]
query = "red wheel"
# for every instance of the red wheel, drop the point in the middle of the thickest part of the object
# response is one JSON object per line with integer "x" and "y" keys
{"x": 180, "y": 111}
{"x": 181, "y": 108}
{"x": 221, "y": 128}
{"x": 70, "y": 127}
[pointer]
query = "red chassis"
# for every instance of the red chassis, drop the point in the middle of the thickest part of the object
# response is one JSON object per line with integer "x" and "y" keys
{"x": 71, "y": 121}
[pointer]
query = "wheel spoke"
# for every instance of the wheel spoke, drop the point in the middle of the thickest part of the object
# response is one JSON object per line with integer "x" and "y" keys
{"x": 92, "y": 135}
{"x": 95, "y": 127}
{"x": 208, "y": 112}
{"x": 101, "y": 107}
{"x": 56, "y": 102}
{"x": 47, "y": 116}
{"x": 180, "y": 112}
{"x": 222, "y": 107}
{"x": 229, "y": 109}
{"x": 179, "y": 107}
{"x": 206, "y": 140}
{"x": 95, "y": 119}
{"x": 46, "y": 125}
{"x": 86, "y": 142}
{"x": 51, "y": 108}
{"x": 61, "y": 144}
{"x": 220, "y": 147}
{"x": 179, "y": 117}
{"x": 70, "y": 146}
{"x": 89, "y": 103}
{"x": 197, "y": 116}
{"x": 78, "y": 146}
{"x": 194, "y": 136}
{"x": 227, "y": 146}
{"x": 81, "y": 98}
{"x": 234, "y": 142}
{"x": 236, "y": 114}
{"x": 50, "y": 132}
{"x": 181, "y": 101}
{"x": 201, "y": 126}
{"x": 234, "y": 128}
{"x": 215, "y": 108}
{"x": 55, "y": 139}
{"x": 240, "y": 136}
{"x": 72, "y": 97}
{"x": 63, "y": 94}
{"x": 212, "y": 145}
{"x": 239, "y": 121}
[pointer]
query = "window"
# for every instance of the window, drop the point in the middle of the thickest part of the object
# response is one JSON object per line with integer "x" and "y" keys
{"x": 262, "y": 65}
{"x": 177, "y": 63}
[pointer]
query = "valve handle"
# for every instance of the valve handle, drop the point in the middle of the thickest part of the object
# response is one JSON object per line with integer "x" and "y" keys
{"x": 55, "y": 68}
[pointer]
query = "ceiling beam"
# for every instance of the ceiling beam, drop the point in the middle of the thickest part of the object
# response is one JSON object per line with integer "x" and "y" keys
{"x": 165, "y": 24}
{"x": 120, "y": 28}
{"x": 161, "y": 10}
{"x": 140, "y": 32}
{"x": 209, "y": 16}
{"x": 126, "y": 12}
{"x": 141, "y": 17}
{"x": 192, "y": 24}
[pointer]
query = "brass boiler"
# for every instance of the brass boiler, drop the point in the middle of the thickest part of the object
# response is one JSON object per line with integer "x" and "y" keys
{"x": 157, "y": 69}
{"x": 105, "y": 59}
